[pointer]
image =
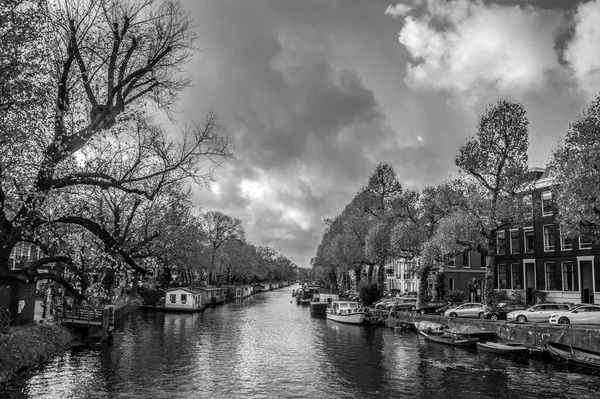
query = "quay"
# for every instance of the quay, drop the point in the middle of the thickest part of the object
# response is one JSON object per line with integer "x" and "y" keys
{"x": 534, "y": 334}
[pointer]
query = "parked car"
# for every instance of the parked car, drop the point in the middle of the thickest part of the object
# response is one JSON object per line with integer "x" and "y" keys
{"x": 588, "y": 314}
{"x": 383, "y": 302}
{"x": 431, "y": 306}
{"x": 469, "y": 309}
{"x": 404, "y": 305}
{"x": 449, "y": 305}
{"x": 500, "y": 311}
{"x": 537, "y": 313}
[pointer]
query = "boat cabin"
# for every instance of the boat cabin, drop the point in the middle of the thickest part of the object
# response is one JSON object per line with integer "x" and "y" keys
{"x": 344, "y": 307}
{"x": 184, "y": 298}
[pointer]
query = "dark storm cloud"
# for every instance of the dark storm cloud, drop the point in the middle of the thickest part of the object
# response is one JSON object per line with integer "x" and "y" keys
{"x": 315, "y": 93}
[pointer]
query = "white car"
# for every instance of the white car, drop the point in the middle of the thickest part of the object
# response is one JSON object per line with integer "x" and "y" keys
{"x": 587, "y": 314}
{"x": 537, "y": 313}
{"x": 469, "y": 309}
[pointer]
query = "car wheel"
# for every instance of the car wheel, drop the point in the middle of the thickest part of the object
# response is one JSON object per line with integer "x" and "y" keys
{"x": 480, "y": 315}
{"x": 452, "y": 315}
{"x": 564, "y": 320}
{"x": 422, "y": 311}
{"x": 521, "y": 319}
{"x": 494, "y": 317}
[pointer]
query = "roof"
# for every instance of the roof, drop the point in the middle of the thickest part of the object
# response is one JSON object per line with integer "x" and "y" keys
{"x": 192, "y": 290}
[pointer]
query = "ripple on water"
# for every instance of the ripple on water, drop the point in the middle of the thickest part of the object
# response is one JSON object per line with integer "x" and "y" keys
{"x": 267, "y": 347}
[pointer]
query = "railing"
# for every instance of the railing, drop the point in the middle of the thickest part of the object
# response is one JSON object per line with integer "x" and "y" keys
{"x": 84, "y": 316}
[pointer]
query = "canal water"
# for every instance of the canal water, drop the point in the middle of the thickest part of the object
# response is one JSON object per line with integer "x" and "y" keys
{"x": 267, "y": 346}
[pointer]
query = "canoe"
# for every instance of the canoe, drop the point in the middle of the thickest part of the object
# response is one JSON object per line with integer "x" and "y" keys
{"x": 503, "y": 349}
{"x": 449, "y": 340}
{"x": 574, "y": 356}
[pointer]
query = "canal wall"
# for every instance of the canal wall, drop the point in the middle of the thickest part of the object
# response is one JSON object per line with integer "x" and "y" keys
{"x": 27, "y": 346}
{"x": 536, "y": 334}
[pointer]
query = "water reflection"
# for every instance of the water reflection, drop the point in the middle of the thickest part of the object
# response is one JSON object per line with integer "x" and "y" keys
{"x": 267, "y": 347}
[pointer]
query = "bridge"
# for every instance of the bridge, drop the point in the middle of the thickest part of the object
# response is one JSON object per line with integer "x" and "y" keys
{"x": 87, "y": 317}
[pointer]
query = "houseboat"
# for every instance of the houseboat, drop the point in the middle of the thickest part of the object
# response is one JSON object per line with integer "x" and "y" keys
{"x": 184, "y": 299}
{"x": 320, "y": 301}
{"x": 345, "y": 312}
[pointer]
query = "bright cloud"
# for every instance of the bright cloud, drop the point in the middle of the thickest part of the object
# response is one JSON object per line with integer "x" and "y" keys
{"x": 472, "y": 48}
{"x": 582, "y": 51}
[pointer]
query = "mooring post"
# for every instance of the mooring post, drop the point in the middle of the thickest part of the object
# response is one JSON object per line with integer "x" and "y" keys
{"x": 105, "y": 318}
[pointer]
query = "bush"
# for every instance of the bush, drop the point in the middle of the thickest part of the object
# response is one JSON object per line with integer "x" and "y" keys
{"x": 455, "y": 296}
{"x": 368, "y": 293}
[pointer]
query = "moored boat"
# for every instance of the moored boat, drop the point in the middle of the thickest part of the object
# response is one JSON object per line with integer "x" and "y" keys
{"x": 503, "y": 349}
{"x": 320, "y": 301}
{"x": 345, "y": 312}
{"x": 449, "y": 340}
{"x": 574, "y": 356}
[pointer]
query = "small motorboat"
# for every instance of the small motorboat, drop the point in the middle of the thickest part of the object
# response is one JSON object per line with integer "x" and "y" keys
{"x": 345, "y": 312}
{"x": 503, "y": 348}
{"x": 574, "y": 356}
{"x": 449, "y": 340}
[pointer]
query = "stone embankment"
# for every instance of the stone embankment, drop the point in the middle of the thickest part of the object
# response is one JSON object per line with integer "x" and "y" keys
{"x": 27, "y": 346}
{"x": 535, "y": 334}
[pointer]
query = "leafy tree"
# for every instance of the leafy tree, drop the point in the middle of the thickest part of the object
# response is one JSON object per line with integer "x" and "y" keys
{"x": 495, "y": 158}
{"x": 575, "y": 166}
{"x": 219, "y": 229}
{"x": 109, "y": 61}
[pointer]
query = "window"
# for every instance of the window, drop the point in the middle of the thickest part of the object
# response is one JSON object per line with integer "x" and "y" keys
{"x": 566, "y": 243}
{"x": 502, "y": 277}
{"x": 517, "y": 276}
{"x": 451, "y": 284}
{"x": 183, "y": 298}
{"x": 515, "y": 248}
{"x": 547, "y": 203}
{"x": 173, "y": 298}
{"x": 568, "y": 276}
{"x": 549, "y": 238}
{"x": 500, "y": 243}
{"x": 483, "y": 260}
{"x": 550, "y": 276}
{"x": 451, "y": 260}
{"x": 585, "y": 243}
{"x": 529, "y": 241}
{"x": 466, "y": 259}
{"x": 527, "y": 208}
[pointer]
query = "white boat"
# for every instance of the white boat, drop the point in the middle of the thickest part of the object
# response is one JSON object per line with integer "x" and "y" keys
{"x": 345, "y": 312}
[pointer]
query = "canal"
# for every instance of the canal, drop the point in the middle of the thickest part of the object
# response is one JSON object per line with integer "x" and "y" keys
{"x": 269, "y": 347}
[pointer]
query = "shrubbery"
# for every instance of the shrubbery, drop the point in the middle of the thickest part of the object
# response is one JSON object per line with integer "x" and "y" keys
{"x": 368, "y": 293}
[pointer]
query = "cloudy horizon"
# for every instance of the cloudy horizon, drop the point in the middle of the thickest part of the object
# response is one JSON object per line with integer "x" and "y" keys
{"x": 315, "y": 94}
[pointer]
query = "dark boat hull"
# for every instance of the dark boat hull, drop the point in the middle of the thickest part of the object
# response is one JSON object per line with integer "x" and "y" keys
{"x": 447, "y": 340}
{"x": 503, "y": 349}
{"x": 574, "y": 356}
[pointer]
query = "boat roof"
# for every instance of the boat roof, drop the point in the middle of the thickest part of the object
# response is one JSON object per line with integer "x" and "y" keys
{"x": 193, "y": 290}
{"x": 467, "y": 329}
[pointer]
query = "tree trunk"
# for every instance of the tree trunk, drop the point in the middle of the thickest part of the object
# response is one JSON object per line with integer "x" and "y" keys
{"x": 422, "y": 294}
{"x": 381, "y": 277}
{"x": 490, "y": 273}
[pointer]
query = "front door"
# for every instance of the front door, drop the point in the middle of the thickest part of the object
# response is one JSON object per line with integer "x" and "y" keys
{"x": 587, "y": 281}
{"x": 529, "y": 281}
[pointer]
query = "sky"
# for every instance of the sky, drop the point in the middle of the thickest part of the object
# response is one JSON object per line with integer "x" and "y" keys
{"x": 315, "y": 93}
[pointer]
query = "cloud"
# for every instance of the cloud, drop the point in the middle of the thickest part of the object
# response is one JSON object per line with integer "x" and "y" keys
{"x": 472, "y": 48}
{"x": 582, "y": 50}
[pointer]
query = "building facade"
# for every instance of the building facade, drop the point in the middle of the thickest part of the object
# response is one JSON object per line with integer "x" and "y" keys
{"x": 537, "y": 258}
{"x": 401, "y": 276}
